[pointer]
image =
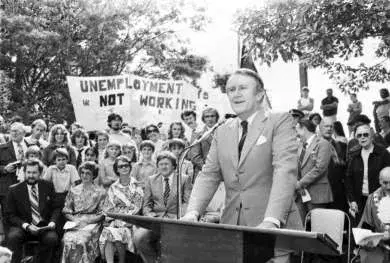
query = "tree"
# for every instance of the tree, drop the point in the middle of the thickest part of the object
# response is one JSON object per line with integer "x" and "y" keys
{"x": 44, "y": 41}
{"x": 324, "y": 33}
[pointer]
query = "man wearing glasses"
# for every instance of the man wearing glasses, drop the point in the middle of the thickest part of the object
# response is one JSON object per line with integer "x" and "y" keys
{"x": 363, "y": 169}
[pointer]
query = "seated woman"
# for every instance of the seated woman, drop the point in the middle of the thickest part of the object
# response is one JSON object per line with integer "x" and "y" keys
{"x": 124, "y": 196}
{"x": 371, "y": 221}
{"x": 83, "y": 207}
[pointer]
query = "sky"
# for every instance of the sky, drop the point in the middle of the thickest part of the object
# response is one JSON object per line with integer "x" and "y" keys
{"x": 219, "y": 44}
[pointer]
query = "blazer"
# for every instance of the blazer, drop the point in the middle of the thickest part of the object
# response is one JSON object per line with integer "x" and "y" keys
{"x": 199, "y": 152}
{"x": 18, "y": 209}
{"x": 153, "y": 196}
{"x": 314, "y": 170}
{"x": 262, "y": 182}
{"x": 378, "y": 159}
{"x": 7, "y": 155}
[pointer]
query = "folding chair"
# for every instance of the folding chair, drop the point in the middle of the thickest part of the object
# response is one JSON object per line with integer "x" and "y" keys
{"x": 332, "y": 223}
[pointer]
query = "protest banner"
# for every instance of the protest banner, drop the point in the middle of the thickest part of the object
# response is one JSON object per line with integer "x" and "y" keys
{"x": 140, "y": 101}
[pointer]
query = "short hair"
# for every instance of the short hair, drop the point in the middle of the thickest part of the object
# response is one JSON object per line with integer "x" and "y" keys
{"x": 167, "y": 155}
{"x": 39, "y": 122}
{"x": 210, "y": 110}
{"x": 312, "y": 116}
{"x": 147, "y": 143}
{"x": 33, "y": 162}
{"x": 5, "y": 252}
{"x": 187, "y": 113}
{"x": 79, "y": 133}
{"x": 361, "y": 118}
{"x": 33, "y": 149}
{"x": 91, "y": 166}
{"x": 112, "y": 117}
{"x": 253, "y": 74}
{"x": 385, "y": 91}
{"x": 360, "y": 124}
{"x": 170, "y": 135}
{"x": 60, "y": 152}
{"x": 122, "y": 158}
{"x": 176, "y": 142}
{"x": 102, "y": 133}
{"x": 18, "y": 126}
{"x": 55, "y": 129}
{"x": 308, "y": 124}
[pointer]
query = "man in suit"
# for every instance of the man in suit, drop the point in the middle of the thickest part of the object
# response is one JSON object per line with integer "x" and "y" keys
{"x": 30, "y": 206}
{"x": 160, "y": 201}
{"x": 314, "y": 153}
{"x": 11, "y": 156}
{"x": 256, "y": 157}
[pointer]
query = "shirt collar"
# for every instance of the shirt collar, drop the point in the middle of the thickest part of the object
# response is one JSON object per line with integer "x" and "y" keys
{"x": 250, "y": 118}
{"x": 66, "y": 169}
{"x": 310, "y": 140}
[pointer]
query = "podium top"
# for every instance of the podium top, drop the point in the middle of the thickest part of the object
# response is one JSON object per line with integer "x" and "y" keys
{"x": 291, "y": 239}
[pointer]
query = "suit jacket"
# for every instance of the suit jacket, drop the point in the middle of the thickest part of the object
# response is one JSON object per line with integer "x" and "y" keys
{"x": 199, "y": 152}
{"x": 7, "y": 155}
{"x": 262, "y": 183}
{"x": 153, "y": 196}
{"x": 18, "y": 210}
{"x": 314, "y": 170}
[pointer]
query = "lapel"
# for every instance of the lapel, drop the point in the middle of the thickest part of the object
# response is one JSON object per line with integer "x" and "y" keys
{"x": 254, "y": 132}
{"x": 309, "y": 149}
{"x": 158, "y": 189}
{"x": 24, "y": 196}
{"x": 233, "y": 139}
{"x": 12, "y": 151}
{"x": 41, "y": 194}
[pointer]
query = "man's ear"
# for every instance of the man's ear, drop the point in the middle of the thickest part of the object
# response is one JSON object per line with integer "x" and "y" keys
{"x": 260, "y": 96}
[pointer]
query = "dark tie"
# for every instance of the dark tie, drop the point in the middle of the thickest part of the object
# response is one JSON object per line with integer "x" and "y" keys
{"x": 303, "y": 152}
{"x": 36, "y": 217}
{"x": 79, "y": 158}
{"x": 244, "y": 125}
{"x": 166, "y": 191}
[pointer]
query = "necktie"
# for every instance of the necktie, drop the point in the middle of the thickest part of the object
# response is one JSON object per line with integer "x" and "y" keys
{"x": 20, "y": 152}
{"x": 244, "y": 125}
{"x": 36, "y": 218}
{"x": 79, "y": 158}
{"x": 166, "y": 191}
{"x": 301, "y": 160}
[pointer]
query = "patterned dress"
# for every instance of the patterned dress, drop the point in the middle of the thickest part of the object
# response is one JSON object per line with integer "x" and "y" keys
{"x": 81, "y": 245}
{"x": 121, "y": 199}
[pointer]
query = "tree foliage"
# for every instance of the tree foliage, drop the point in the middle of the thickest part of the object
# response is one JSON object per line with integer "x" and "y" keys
{"x": 44, "y": 41}
{"x": 323, "y": 33}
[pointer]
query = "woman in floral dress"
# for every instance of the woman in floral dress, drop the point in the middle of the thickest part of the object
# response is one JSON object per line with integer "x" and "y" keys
{"x": 83, "y": 211}
{"x": 124, "y": 196}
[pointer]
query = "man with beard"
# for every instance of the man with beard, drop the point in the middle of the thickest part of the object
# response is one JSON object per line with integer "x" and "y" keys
{"x": 337, "y": 166}
{"x": 30, "y": 206}
{"x": 114, "y": 122}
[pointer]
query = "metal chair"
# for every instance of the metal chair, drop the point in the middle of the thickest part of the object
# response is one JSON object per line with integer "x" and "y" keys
{"x": 332, "y": 223}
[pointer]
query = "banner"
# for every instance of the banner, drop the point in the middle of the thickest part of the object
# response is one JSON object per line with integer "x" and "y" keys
{"x": 140, "y": 101}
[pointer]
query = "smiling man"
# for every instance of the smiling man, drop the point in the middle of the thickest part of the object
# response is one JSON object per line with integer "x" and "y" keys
{"x": 255, "y": 155}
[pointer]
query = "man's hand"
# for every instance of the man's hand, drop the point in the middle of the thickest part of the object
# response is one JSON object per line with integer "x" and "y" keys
{"x": 52, "y": 225}
{"x": 10, "y": 168}
{"x": 190, "y": 217}
{"x": 267, "y": 225}
{"x": 34, "y": 230}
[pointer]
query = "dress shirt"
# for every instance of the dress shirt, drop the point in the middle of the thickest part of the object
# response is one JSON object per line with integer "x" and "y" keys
{"x": 365, "y": 155}
{"x": 249, "y": 120}
{"x": 16, "y": 147}
{"x": 62, "y": 179}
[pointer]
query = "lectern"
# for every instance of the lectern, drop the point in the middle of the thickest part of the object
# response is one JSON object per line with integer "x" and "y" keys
{"x": 190, "y": 242}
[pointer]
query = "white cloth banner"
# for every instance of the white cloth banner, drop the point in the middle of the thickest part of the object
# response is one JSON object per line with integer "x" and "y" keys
{"x": 140, "y": 101}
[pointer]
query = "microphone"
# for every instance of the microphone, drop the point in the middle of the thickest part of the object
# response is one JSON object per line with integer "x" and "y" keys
{"x": 206, "y": 134}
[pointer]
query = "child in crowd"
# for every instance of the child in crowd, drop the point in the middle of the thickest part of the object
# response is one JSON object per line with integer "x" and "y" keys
{"x": 107, "y": 176}
{"x": 91, "y": 154}
{"x": 32, "y": 152}
{"x": 146, "y": 166}
{"x": 129, "y": 150}
{"x": 102, "y": 139}
{"x": 176, "y": 146}
{"x": 80, "y": 143}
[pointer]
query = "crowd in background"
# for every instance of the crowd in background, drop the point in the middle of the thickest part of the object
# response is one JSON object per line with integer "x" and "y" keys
{"x": 81, "y": 176}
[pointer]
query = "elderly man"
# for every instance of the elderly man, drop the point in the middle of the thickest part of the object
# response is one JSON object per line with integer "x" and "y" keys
{"x": 38, "y": 129}
{"x": 255, "y": 155}
{"x": 371, "y": 221}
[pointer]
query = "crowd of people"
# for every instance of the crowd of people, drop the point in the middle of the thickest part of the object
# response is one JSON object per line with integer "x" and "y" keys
{"x": 58, "y": 184}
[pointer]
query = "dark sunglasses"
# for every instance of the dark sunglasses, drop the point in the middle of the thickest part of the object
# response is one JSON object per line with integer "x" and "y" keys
{"x": 151, "y": 130}
{"x": 360, "y": 135}
{"x": 123, "y": 166}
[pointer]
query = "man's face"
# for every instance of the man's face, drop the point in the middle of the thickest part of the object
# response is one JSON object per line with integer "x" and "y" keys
{"x": 300, "y": 131}
{"x": 17, "y": 134}
{"x": 38, "y": 131}
{"x": 353, "y": 98}
{"x": 329, "y": 93}
{"x": 243, "y": 95}
{"x": 364, "y": 136}
{"x": 327, "y": 129}
{"x": 190, "y": 121}
{"x": 210, "y": 119}
{"x": 116, "y": 124}
{"x": 31, "y": 174}
{"x": 165, "y": 167}
{"x": 61, "y": 162}
{"x": 383, "y": 94}
{"x": 384, "y": 181}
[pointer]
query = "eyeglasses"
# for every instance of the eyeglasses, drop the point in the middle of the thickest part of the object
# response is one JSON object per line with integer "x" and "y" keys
{"x": 150, "y": 131}
{"x": 123, "y": 166}
{"x": 360, "y": 135}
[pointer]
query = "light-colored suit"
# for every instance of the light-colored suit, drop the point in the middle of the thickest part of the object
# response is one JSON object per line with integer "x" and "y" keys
{"x": 262, "y": 183}
{"x": 314, "y": 170}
